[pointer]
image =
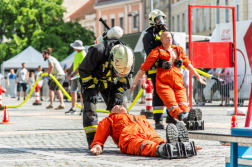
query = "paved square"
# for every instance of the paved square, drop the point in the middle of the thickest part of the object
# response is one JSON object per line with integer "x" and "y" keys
{"x": 41, "y": 137}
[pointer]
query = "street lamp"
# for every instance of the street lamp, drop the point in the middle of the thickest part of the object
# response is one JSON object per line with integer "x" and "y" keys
{"x": 135, "y": 14}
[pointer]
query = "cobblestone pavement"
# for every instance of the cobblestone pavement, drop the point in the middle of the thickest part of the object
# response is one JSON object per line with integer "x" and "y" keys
{"x": 41, "y": 137}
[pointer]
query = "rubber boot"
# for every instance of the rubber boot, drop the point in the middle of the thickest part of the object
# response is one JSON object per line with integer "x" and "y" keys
{"x": 182, "y": 130}
{"x": 159, "y": 125}
{"x": 169, "y": 150}
{"x": 171, "y": 133}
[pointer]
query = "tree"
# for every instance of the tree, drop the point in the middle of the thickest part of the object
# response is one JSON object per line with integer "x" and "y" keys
{"x": 38, "y": 23}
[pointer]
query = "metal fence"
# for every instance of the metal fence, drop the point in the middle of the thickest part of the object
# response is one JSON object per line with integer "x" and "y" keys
{"x": 220, "y": 92}
{"x": 201, "y": 93}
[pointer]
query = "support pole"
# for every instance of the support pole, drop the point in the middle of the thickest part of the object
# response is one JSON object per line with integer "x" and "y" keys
{"x": 235, "y": 62}
{"x": 249, "y": 113}
{"x": 190, "y": 53}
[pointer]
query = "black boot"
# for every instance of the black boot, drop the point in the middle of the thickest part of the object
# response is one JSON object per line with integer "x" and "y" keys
{"x": 182, "y": 132}
{"x": 183, "y": 116}
{"x": 170, "y": 119}
{"x": 159, "y": 125}
{"x": 171, "y": 133}
{"x": 169, "y": 150}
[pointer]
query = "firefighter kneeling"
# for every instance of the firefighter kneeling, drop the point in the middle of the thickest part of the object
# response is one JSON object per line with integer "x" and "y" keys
{"x": 106, "y": 68}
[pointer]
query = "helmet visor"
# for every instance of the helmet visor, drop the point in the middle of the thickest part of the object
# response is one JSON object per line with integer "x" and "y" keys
{"x": 160, "y": 20}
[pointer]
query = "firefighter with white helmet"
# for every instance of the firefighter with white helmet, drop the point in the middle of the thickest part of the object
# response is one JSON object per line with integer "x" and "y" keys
{"x": 107, "y": 68}
{"x": 151, "y": 40}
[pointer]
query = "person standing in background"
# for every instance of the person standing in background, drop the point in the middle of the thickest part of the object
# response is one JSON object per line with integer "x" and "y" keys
{"x": 56, "y": 70}
{"x": 40, "y": 82}
{"x": 185, "y": 73}
{"x": 11, "y": 83}
{"x": 22, "y": 80}
{"x": 224, "y": 91}
{"x": 74, "y": 77}
{"x": 31, "y": 81}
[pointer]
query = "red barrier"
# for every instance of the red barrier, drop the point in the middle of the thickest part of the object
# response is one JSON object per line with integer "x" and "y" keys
{"x": 1, "y": 97}
{"x": 37, "y": 95}
{"x": 149, "y": 95}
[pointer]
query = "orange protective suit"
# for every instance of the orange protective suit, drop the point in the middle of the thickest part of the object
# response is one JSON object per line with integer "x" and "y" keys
{"x": 169, "y": 82}
{"x": 133, "y": 134}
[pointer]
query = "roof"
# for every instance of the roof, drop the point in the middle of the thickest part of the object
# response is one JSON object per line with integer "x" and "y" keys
{"x": 30, "y": 56}
{"x": 105, "y": 2}
{"x": 86, "y": 9}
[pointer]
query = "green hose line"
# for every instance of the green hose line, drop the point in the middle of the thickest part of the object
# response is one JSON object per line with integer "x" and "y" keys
{"x": 67, "y": 95}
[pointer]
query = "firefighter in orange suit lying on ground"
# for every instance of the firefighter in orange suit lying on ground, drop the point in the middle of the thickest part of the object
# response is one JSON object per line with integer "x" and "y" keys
{"x": 169, "y": 79}
{"x": 134, "y": 135}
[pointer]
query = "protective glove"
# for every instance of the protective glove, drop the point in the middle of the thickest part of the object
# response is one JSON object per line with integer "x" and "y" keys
{"x": 118, "y": 99}
{"x": 178, "y": 63}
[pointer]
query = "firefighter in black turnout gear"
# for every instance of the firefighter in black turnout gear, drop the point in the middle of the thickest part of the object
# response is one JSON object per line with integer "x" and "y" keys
{"x": 150, "y": 41}
{"x": 107, "y": 69}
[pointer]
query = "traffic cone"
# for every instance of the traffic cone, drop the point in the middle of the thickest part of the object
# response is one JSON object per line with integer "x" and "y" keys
{"x": 6, "y": 116}
{"x": 234, "y": 123}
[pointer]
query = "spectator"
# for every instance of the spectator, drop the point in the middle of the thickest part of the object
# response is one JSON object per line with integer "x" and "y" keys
{"x": 56, "y": 70}
{"x": 74, "y": 77}
{"x": 31, "y": 81}
{"x": 40, "y": 82}
{"x": 201, "y": 95}
{"x": 216, "y": 85}
{"x": 185, "y": 73}
{"x": 22, "y": 81}
{"x": 11, "y": 83}
{"x": 225, "y": 95}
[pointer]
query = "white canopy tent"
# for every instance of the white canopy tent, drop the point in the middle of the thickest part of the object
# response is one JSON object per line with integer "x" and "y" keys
{"x": 30, "y": 56}
{"x": 68, "y": 61}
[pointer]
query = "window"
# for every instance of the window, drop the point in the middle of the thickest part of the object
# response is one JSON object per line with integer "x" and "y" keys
{"x": 104, "y": 28}
{"x": 198, "y": 20}
{"x": 112, "y": 22}
{"x": 204, "y": 19}
{"x": 178, "y": 26}
{"x": 226, "y": 12}
{"x": 135, "y": 25}
{"x": 218, "y": 12}
{"x": 210, "y": 18}
{"x": 183, "y": 22}
{"x": 173, "y": 20}
{"x": 237, "y": 10}
{"x": 121, "y": 22}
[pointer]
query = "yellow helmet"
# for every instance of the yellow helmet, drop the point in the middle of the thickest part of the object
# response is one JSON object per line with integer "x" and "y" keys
{"x": 157, "y": 17}
{"x": 122, "y": 60}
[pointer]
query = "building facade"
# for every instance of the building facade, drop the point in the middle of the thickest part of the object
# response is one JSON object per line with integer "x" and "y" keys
{"x": 203, "y": 19}
{"x": 128, "y": 14}
{"x": 86, "y": 15}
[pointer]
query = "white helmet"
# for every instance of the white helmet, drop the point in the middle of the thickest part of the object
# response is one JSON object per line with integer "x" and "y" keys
{"x": 157, "y": 17}
{"x": 122, "y": 60}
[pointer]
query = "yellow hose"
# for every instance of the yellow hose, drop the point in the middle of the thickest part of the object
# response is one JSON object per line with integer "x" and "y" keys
{"x": 135, "y": 100}
{"x": 200, "y": 72}
{"x": 67, "y": 95}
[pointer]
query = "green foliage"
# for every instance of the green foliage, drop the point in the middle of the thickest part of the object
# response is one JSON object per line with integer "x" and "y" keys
{"x": 38, "y": 23}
